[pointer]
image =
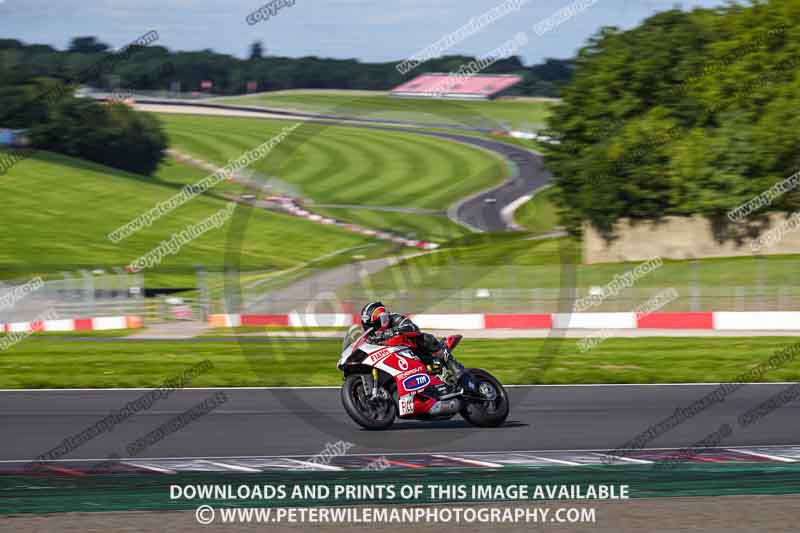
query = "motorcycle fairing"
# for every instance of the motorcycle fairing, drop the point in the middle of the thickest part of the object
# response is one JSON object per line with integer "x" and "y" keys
{"x": 410, "y": 374}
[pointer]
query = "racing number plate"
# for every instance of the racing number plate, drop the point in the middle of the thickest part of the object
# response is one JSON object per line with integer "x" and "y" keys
{"x": 406, "y": 404}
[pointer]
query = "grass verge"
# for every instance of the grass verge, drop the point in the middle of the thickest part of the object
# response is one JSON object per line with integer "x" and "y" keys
{"x": 512, "y": 260}
{"x": 515, "y": 113}
{"x": 539, "y": 214}
{"x": 50, "y": 363}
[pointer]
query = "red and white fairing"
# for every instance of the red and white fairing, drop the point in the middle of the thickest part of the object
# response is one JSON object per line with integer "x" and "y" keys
{"x": 410, "y": 374}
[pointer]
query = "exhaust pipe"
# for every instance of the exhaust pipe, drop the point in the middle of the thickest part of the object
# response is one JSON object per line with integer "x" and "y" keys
{"x": 445, "y": 407}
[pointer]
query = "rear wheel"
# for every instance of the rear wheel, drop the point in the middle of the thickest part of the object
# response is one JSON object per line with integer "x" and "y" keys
{"x": 493, "y": 409}
{"x": 367, "y": 413}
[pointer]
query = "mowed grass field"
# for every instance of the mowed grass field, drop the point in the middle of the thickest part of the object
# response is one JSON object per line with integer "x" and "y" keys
{"x": 58, "y": 212}
{"x": 51, "y": 363}
{"x": 347, "y": 166}
{"x": 539, "y": 214}
{"x": 517, "y": 113}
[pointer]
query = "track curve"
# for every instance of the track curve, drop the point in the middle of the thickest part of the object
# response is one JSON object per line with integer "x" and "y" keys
{"x": 479, "y": 212}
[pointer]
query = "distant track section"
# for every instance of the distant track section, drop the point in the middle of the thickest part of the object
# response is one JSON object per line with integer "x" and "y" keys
{"x": 480, "y": 212}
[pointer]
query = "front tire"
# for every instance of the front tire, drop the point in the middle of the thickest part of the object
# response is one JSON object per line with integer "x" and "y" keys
{"x": 486, "y": 413}
{"x": 369, "y": 414}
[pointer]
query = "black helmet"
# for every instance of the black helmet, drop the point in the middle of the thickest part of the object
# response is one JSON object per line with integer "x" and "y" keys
{"x": 374, "y": 315}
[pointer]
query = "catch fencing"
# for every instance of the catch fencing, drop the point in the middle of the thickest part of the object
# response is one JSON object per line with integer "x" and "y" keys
{"x": 438, "y": 289}
{"x": 87, "y": 294}
{"x": 509, "y": 289}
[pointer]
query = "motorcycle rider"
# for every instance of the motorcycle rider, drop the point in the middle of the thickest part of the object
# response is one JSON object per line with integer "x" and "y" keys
{"x": 430, "y": 350}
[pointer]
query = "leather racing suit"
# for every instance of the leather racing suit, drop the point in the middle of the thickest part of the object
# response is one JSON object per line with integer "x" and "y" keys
{"x": 429, "y": 349}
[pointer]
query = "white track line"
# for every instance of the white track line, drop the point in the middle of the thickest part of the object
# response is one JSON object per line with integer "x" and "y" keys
{"x": 557, "y": 461}
{"x": 232, "y": 467}
{"x": 317, "y": 466}
{"x": 473, "y": 462}
{"x": 489, "y": 453}
{"x": 764, "y": 455}
{"x": 507, "y": 212}
{"x": 631, "y": 459}
{"x": 158, "y": 469}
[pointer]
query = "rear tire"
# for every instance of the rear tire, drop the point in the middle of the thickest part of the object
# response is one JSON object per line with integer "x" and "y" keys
{"x": 372, "y": 415}
{"x": 486, "y": 413}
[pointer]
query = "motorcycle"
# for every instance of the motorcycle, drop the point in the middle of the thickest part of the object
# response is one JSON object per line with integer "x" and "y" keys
{"x": 385, "y": 381}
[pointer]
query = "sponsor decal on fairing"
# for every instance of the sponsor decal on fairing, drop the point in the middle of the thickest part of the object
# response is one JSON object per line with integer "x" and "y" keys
{"x": 416, "y": 382}
{"x": 376, "y": 357}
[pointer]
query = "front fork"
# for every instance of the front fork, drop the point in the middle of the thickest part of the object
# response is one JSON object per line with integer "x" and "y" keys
{"x": 375, "y": 383}
{"x": 370, "y": 382}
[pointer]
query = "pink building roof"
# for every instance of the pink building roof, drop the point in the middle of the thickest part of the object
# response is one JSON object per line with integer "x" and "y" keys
{"x": 480, "y": 85}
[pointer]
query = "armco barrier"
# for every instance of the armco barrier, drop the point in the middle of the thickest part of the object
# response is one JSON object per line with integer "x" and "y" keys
{"x": 756, "y": 320}
{"x": 76, "y": 324}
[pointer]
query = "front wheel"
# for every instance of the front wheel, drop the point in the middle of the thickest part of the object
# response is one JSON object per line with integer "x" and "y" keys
{"x": 491, "y": 411}
{"x": 367, "y": 413}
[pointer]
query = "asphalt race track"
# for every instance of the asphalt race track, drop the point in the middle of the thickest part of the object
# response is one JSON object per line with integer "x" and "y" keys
{"x": 275, "y": 422}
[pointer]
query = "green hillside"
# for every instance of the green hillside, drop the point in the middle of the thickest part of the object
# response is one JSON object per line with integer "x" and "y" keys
{"x": 58, "y": 211}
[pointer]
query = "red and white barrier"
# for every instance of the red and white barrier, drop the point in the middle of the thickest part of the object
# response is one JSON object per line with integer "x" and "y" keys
{"x": 717, "y": 320}
{"x": 471, "y": 321}
{"x": 594, "y": 321}
{"x": 769, "y": 320}
{"x": 75, "y": 324}
{"x": 676, "y": 321}
{"x": 720, "y": 320}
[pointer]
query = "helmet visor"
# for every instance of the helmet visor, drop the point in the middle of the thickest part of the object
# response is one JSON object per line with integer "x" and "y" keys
{"x": 379, "y": 315}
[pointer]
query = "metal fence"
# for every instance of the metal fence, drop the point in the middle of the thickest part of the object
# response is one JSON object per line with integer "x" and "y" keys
{"x": 75, "y": 295}
{"x": 439, "y": 289}
{"x": 507, "y": 290}
{"x": 88, "y": 294}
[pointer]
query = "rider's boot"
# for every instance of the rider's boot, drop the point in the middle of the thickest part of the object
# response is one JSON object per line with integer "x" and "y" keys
{"x": 463, "y": 376}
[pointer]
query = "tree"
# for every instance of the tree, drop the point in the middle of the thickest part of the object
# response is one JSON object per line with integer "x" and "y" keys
{"x": 87, "y": 45}
{"x": 113, "y": 135}
{"x": 256, "y": 50}
{"x": 10, "y": 43}
{"x": 687, "y": 114}
{"x": 91, "y": 62}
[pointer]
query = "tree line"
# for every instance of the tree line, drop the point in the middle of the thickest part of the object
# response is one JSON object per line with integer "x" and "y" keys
{"x": 690, "y": 113}
{"x": 38, "y": 83}
{"x": 157, "y": 68}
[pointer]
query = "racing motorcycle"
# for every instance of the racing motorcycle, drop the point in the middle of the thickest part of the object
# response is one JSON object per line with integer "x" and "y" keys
{"x": 387, "y": 380}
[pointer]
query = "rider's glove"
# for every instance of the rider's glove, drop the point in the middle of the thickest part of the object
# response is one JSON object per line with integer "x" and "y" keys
{"x": 384, "y": 335}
